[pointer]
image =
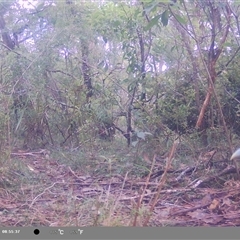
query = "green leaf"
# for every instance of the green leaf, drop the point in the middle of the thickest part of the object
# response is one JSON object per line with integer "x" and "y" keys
{"x": 180, "y": 19}
{"x": 165, "y": 17}
{"x": 105, "y": 67}
{"x": 153, "y": 22}
{"x": 101, "y": 64}
{"x": 172, "y": 48}
{"x": 40, "y": 6}
{"x": 141, "y": 135}
{"x": 134, "y": 143}
{"x": 105, "y": 39}
{"x": 227, "y": 44}
{"x": 137, "y": 13}
{"x": 150, "y": 7}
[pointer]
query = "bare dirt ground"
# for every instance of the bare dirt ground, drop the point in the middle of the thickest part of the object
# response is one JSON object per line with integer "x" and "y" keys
{"x": 66, "y": 188}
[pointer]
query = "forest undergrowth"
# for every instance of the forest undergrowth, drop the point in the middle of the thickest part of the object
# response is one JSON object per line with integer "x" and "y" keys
{"x": 109, "y": 184}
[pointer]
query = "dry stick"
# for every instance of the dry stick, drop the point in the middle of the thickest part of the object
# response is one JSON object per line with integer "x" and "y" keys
{"x": 120, "y": 195}
{"x": 162, "y": 181}
{"x": 191, "y": 209}
{"x": 39, "y": 195}
{"x": 142, "y": 195}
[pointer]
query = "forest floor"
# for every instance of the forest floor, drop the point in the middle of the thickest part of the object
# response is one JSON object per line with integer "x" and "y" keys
{"x": 110, "y": 185}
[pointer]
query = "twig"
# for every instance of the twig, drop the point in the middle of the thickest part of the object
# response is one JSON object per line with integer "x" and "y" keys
{"x": 140, "y": 198}
{"x": 39, "y": 195}
{"x": 162, "y": 181}
{"x": 191, "y": 209}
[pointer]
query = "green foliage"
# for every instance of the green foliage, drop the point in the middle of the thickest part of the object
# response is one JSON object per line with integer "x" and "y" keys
{"x": 177, "y": 108}
{"x": 164, "y": 18}
{"x": 127, "y": 47}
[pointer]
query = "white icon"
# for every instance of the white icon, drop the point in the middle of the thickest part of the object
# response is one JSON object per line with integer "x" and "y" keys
{"x": 80, "y": 231}
{"x": 61, "y": 231}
